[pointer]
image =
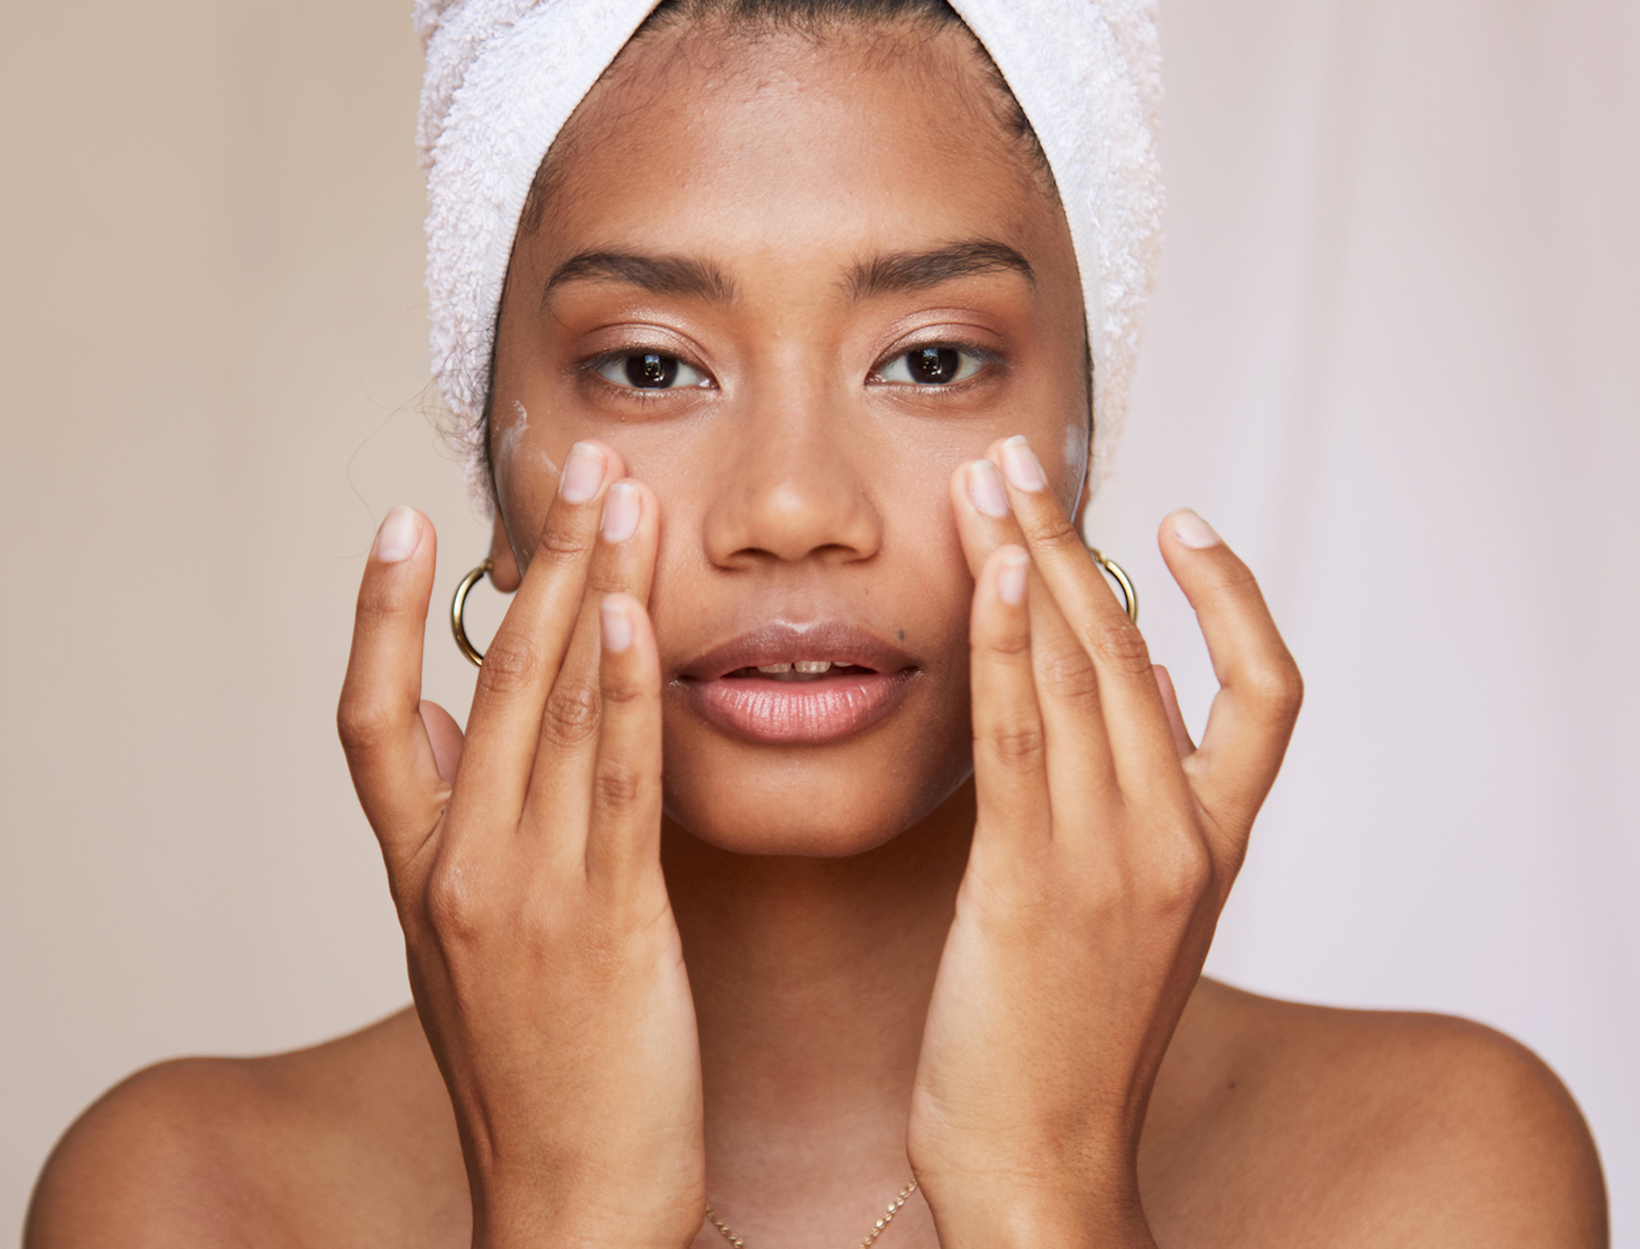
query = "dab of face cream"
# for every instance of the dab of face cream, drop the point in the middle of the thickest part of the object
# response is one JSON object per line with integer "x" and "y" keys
{"x": 1076, "y": 448}
{"x": 509, "y": 438}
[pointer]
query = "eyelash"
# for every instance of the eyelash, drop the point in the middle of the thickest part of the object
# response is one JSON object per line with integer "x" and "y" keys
{"x": 989, "y": 362}
{"x": 593, "y": 366}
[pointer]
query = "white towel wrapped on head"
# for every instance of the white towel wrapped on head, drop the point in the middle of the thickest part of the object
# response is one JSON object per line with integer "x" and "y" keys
{"x": 503, "y": 76}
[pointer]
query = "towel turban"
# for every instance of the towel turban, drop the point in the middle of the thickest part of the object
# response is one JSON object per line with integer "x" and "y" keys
{"x": 503, "y": 76}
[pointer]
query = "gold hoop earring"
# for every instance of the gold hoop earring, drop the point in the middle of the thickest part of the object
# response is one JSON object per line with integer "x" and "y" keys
{"x": 458, "y": 606}
{"x": 1130, "y": 596}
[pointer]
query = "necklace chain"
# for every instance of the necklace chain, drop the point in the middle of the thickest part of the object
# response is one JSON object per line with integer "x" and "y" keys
{"x": 876, "y": 1231}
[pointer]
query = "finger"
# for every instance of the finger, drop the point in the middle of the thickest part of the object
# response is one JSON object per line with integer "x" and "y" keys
{"x": 1136, "y": 720}
{"x": 1010, "y": 743}
{"x": 1175, "y": 718}
{"x": 1260, "y": 688}
{"x": 623, "y": 838}
{"x": 985, "y": 518}
{"x": 1081, "y": 771}
{"x": 387, "y": 748}
{"x": 523, "y": 660}
{"x": 623, "y": 562}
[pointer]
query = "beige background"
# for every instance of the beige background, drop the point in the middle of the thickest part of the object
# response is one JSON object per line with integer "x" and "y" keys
{"x": 1392, "y": 358}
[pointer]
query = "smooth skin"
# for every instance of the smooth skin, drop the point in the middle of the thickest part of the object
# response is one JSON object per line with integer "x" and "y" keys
{"x": 655, "y": 964}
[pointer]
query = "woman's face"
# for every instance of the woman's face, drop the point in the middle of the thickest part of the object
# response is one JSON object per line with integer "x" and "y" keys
{"x": 795, "y": 283}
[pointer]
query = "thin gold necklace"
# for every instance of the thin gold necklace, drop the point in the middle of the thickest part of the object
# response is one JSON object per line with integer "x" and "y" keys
{"x": 876, "y": 1231}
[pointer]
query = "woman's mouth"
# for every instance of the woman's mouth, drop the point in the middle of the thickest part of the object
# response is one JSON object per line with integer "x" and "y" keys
{"x": 798, "y": 685}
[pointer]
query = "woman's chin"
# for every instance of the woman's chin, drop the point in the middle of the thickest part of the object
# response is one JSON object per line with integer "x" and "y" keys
{"x": 813, "y": 840}
{"x": 758, "y": 811}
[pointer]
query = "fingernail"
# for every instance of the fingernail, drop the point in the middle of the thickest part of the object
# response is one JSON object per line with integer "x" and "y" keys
{"x": 1016, "y": 567}
{"x": 985, "y": 488}
{"x": 621, "y": 510}
{"x": 583, "y": 473}
{"x": 1019, "y": 462}
{"x": 398, "y": 537}
{"x": 617, "y": 626}
{"x": 1193, "y": 531}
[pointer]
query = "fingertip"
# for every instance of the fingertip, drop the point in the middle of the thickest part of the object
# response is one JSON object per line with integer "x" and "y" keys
{"x": 590, "y": 466}
{"x": 400, "y": 536}
{"x": 1013, "y": 573}
{"x": 1021, "y": 467}
{"x": 623, "y": 510}
{"x": 986, "y": 490}
{"x": 616, "y": 623}
{"x": 1190, "y": 531}
{"x": 612, "y": 458}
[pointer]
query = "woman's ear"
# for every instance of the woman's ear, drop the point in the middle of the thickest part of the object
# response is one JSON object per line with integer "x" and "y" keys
{"x": 504, "y": 574}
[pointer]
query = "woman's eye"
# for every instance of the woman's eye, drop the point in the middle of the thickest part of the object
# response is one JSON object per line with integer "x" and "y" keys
{"x": 931, "y": 366}
{"x": 650, "y": 370}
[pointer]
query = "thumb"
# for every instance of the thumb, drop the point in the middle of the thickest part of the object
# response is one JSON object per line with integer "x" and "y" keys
{"x": 444, "y": 736}
{"x": 1170, "y": 700}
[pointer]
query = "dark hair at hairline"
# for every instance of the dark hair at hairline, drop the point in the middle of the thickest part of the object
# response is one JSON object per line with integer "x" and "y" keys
{"x": 813, "y": 17}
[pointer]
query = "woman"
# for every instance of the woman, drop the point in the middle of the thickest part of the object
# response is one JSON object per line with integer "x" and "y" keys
{"x": 785, "y": 424}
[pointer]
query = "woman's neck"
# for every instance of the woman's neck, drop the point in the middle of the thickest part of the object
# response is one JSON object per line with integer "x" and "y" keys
{"x": 811, "y": 980}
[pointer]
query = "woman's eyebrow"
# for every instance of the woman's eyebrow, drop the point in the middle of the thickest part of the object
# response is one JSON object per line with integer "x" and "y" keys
{"x": 693, "y": 278}
{"x": 916, "y": 271}
{"x": 683, "y": 276}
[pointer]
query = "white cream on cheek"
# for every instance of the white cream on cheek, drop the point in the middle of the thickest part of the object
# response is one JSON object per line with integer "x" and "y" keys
{"x": 1076, "y": 447}
{"x": 508, "y": 440}
{"x": 1076, "y": 458}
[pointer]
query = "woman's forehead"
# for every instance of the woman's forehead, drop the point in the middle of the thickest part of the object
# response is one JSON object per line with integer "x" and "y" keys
{"x": 783, "y": 142}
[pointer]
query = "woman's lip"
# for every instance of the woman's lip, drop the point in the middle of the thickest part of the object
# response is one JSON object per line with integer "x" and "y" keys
{"x": 781, "y": 642}
{"x": 798, "y": 712}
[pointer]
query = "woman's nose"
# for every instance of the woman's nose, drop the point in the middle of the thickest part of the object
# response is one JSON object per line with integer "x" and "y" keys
{"x": 791, "y": 487}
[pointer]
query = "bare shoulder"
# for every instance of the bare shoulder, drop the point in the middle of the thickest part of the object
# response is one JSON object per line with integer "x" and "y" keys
{"x": 1370, "y": 1128}
{"x": 279, "y": 1150}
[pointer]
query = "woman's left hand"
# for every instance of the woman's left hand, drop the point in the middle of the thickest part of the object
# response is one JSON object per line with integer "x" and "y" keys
{"x": 1104, "y": 848}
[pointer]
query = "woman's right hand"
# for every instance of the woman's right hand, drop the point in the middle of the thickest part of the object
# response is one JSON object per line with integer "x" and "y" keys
{"x": 525, "y": 865}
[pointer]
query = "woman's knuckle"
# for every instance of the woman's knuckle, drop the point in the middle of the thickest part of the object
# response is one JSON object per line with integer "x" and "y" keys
{"x": 618, "y": 786}
{"x": 603, "y": 577}
{"x": 456, "y": 905}
{"x": 1018, "y": 743}
{"x": 1181, "y": 871}
{"x": 362, "y": 723}
{"x": 560, "y": 546}
{"x": 1007, "y": 645}
{"x": 624, "y": 693}
{"x": 1120, "y": 645}
{"x": 1279, "y": 686}
{"x": 379, "y": 603}
{"x": 1051, "y": 528}
{"x": 572, "y": 714}
{"x": 1067, "y": 675}
{"x": 1235, "y": 588}
{"x": 511, "y": 664}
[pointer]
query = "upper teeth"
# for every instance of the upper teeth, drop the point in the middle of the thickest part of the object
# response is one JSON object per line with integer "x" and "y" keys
{"x": 802, "y": 665}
